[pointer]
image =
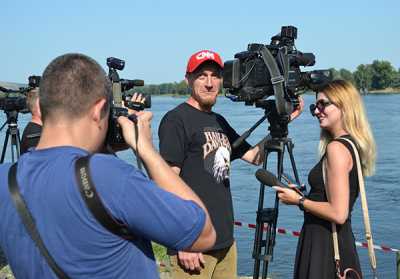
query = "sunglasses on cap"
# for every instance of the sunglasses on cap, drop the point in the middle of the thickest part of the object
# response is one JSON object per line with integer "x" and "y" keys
{"x": 320, "y": 105}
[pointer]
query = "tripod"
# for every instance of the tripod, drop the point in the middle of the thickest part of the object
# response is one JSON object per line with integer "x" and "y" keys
{"x": 267, "y": 218}
{"x": 13, "y": 131}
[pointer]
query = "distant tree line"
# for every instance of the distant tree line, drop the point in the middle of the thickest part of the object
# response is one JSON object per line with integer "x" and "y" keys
{"x": 176, "y": 88}
{"x": 376, "y": 76}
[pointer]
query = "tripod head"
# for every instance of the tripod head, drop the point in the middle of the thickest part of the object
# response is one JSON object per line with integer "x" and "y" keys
{"x": 278, "y": 123}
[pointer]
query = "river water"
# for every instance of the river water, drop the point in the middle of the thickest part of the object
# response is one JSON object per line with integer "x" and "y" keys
{"x": 383, "y": 191}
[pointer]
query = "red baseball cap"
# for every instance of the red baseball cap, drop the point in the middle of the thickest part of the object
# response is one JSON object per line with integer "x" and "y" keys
{"x": 202, "y": 56}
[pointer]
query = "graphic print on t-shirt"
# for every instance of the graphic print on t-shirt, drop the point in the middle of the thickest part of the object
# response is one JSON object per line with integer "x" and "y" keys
{"x": 216, "y": 154}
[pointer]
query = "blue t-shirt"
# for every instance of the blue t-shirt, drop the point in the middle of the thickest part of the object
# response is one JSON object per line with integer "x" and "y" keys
{"x": 74, "y": 238}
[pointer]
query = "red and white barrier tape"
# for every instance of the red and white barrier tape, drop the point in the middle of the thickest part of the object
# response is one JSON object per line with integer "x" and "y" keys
{"x": 297, "y": 234}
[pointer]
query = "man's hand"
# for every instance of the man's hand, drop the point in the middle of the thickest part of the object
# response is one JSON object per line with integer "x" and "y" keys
{"x": 136, "y": 98}
{"x": 297, "y": 111}
{"x": 144, "y": 130}
{"x": 191, "y": 261}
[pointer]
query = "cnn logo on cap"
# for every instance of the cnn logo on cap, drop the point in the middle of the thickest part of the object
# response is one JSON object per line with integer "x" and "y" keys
{"x": 205, "y": 54}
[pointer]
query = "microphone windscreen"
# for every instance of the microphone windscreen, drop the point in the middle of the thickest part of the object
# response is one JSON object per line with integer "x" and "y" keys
{"x": 267, "y": 178}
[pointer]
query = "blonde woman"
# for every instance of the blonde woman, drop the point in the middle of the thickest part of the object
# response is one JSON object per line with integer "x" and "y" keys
{"x": 340, "y": 112}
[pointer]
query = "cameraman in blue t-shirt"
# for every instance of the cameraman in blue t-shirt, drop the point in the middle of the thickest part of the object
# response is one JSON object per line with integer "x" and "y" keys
{"x": 75, "y": 96}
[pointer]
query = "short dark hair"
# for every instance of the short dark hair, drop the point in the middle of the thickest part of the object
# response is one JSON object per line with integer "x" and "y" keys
{"x": 71, "y": 84}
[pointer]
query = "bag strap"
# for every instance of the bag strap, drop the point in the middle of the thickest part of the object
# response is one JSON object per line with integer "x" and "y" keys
{"x": 93, "y": 202}
{"x": 336, "y": 254}
{"x": 364, "y": 205}
{"x": 29, "y": 222}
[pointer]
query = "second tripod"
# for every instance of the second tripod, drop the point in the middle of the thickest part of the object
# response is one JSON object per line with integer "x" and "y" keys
{"x": 12, "y": 134}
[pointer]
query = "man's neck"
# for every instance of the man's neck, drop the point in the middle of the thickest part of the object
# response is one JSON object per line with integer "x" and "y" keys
{"x": 66, "y": 134}
{"x": 36, "y": 120}
{"x": 191, "y": 101}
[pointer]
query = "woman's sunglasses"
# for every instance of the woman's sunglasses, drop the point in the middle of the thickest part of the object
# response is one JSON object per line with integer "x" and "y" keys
{"x": 320, "y": 105}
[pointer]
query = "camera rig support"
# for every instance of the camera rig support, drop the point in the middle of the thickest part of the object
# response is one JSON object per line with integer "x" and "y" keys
{"x": 13, "y": 132}
{"x": 266, "y": 220}
{"x": 13, "y": 102}
{"x": 277, "y": 112}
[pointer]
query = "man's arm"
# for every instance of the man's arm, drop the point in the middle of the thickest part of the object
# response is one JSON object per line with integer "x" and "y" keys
{"x": 255, "y": 155}
{"x": 190, "y": 260}
{"x": 161, "y": 173}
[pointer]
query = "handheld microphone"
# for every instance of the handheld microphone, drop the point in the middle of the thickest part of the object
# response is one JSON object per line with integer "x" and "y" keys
{"x": 269, "y": 179}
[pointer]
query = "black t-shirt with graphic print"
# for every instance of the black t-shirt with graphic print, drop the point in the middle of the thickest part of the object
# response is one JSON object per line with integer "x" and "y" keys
{"x": 199, "y": 143}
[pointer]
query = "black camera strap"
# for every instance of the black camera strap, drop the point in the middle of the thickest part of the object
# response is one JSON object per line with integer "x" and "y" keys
{"x": 277, "y": 80}
{"x": 29, "y": 222}
{"x": 93, "y": 202}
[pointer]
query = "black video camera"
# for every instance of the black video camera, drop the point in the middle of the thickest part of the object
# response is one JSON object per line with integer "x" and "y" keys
{"x": 122, "y": 93}
{"x": 266, "y": 70}
{"x": 15, "y": 100}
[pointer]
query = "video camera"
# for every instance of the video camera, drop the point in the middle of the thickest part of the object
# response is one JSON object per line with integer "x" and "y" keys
{"x": 266, "y": 70}
{"x": 122, "y": 93}
{"x": 15, "y": 100}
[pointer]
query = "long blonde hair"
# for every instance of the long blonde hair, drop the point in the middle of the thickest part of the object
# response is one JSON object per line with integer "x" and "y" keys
{"x": 355, "y": 122}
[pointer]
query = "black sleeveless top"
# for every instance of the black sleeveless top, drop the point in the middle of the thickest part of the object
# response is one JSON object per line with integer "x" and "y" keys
{"x": 314, "y": 257}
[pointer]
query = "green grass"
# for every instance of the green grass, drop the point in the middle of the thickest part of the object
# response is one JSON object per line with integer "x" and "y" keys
{"x": 6, "y": 272}
{"x": 160, "y": 252}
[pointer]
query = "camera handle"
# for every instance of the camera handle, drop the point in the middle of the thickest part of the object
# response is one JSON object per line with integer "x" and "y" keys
{"x": 267, "y": 217}
{"x": 277, "y": 80}
{"x": 13, "y": 131}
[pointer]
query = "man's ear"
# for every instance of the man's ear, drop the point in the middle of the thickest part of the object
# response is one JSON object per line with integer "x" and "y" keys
{"x": 98, "y": 109}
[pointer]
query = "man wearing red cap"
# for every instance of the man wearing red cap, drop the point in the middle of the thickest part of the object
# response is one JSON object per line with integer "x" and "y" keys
{"x": 196, "y": 142}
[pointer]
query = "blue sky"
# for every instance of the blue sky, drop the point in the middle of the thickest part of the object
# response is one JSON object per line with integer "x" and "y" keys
{"x": 157, "y": 37}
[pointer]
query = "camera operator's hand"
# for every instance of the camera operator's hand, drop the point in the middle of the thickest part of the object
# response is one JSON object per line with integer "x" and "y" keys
{"x": 191, "y": 260}
{"x": 138, "y": 98}
{"x": 144, "y": 140}
{"x": 287, "y": 195}
{"x": 298, "y": 109}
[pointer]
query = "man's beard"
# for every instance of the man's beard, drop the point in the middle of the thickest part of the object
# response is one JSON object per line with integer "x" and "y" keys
{"x": 208, "y": 104}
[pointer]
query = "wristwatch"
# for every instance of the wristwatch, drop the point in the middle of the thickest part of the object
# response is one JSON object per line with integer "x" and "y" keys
{"x": 301, "y": 203}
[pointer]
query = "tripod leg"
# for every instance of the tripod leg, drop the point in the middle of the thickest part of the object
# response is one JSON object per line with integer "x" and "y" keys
{"x": 271, "y": 231}
{"x": 289, "y": 147}
{"x": 267, "y": 216}
{"x": 18, "y": 144}
{"x": 258, "y": 236}
{"x": 3, "y": 153}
